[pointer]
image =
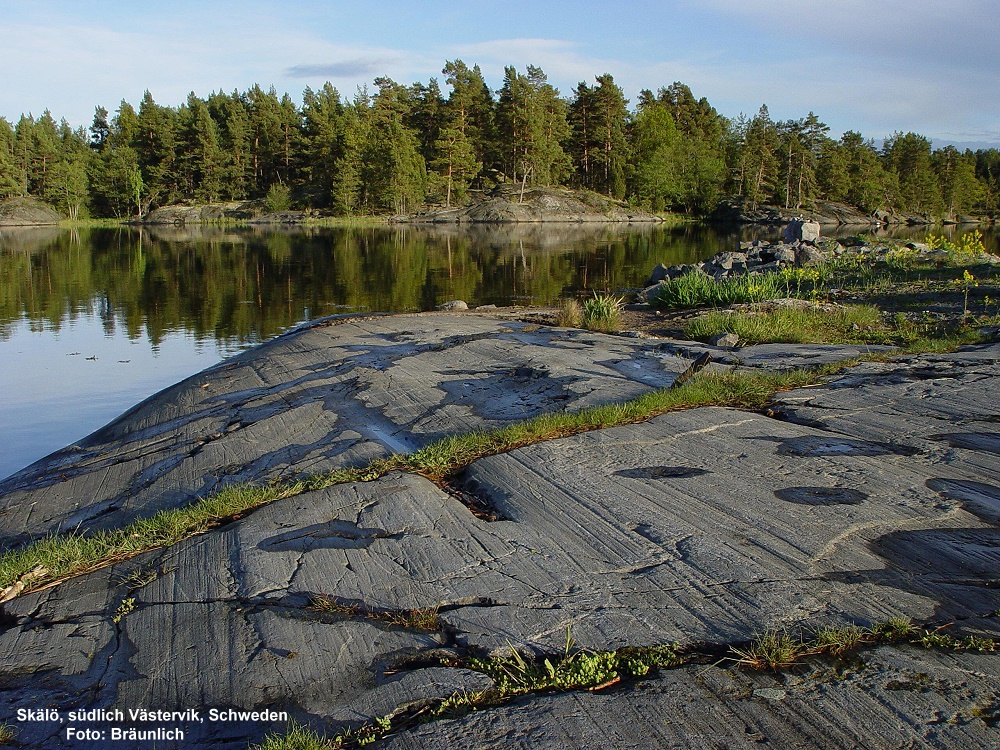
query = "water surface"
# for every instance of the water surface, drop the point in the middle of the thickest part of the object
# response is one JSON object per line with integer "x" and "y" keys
{"x": 94, "y": 321}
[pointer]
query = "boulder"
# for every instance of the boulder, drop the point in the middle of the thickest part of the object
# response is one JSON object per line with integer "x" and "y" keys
{"x": 725, "y": 339}
{"x": 803, "y": 230}
{"x": 808, "y": 255}
{"x": 453, "y": 305}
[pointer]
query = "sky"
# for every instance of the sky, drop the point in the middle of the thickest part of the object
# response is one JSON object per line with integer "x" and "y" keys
{"x": 874, "y": 66}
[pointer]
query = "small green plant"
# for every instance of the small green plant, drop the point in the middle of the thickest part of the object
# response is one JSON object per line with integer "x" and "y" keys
{"x": 937, "y": 639}
{"x": 851, "y": 324}
{"x": 573, "y": 669}
{"x": 698, "y": 289}
{"x": 894, "y": 629}
{"x": 966, "y": 282}
{"x": 570, "y": 314}
{"x": 126, "y": 607}
{"x": 138, "y": 578}
{"x": 775, "y": 649}
{"x": 602, "y": 312}
{"x": 6, "y": 733}
{"x": 838, "y": 639}
{"x": 297, "y": 737}
{"x": 968, "y": 247}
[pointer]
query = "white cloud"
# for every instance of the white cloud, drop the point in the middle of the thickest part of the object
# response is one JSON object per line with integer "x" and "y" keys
{"x": 72, "y": 69}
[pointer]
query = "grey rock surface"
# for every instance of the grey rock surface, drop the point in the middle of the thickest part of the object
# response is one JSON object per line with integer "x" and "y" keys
{"x": 331, "y": 395}
{"x": 883, "y": 701}
{"x": 875, "y": 495}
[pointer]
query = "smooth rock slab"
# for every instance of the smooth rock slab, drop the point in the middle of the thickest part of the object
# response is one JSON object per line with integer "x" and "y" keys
{"x": 701, "y": 525}
{"x": 331, "y": 395}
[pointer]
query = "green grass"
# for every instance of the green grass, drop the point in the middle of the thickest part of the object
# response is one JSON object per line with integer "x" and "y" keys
{"x": 848, "y": 324}
{"x": 864, "y": 275}
{"x": 698, "y": 289}
{"x": 602, "y": 313}
{"x": 778, "y": 649}
{"x": 297, "y": 737}
{"x": 575, "y": 669}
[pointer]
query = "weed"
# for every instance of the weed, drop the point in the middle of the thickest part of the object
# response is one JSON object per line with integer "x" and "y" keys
{"x": 570, "y": 314}
{"x": 849, "y": 324}
{"x": 6, "y": 733}
{"x": 894, "y": 629}
{"x": 573, "y": 669}
{"x": 966, "y": 282}
{"x": 126, "y": 607}
{"x": 937, "y": 639}
{"x": 418, "y": 619}
{"x": 138, "y": 578}
{"x": 772, "y": 650}
{"x": 602, "y": 312}
{"x": 297, "y": 737}
{"x": 838, "y": 639}
{"x": 697, "y": 289}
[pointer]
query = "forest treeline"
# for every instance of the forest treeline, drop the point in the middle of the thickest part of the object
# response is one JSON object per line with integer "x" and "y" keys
{"x": 397, "y": 148}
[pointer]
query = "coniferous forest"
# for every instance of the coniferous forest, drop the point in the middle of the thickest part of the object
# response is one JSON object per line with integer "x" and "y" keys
{"x": 396, "y": 148}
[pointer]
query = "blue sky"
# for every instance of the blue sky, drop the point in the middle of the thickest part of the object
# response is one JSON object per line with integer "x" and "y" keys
{"x": 876, "y": 66}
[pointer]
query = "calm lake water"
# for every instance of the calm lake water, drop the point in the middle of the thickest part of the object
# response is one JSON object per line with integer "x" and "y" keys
{"x": 94, "y": 321}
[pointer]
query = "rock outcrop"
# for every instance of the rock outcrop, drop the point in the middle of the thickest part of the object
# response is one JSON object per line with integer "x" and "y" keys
{"x": 202, "y": 213}
{"x": 874, "y": 496}
{"x": 827, "y": 213}
{"x": 27, "y": 212}
{"x": 507, "y": 204}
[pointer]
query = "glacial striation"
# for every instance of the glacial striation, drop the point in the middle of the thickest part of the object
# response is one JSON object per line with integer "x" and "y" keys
{"x": 874, "y": 495}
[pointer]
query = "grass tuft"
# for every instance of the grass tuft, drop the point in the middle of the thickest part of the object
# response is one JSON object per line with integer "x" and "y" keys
{"x": 602, "y": 313}
{"x": 570, "y": 314}
{"x": 772, "y": 650}
{"x": 425, "y": 618}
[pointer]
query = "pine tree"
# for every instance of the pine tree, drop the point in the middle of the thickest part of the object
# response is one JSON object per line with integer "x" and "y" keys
{"x": 10, "y": 183}
{"x": 230, "y": 115}
{"x": 68, "y": 188}
{"x": 700, "y": 154}
{"x": 533, "y": 126}
{"x": 322, "y": 143}
{"x": 203, "y": 156}
{"x": 655, "y": 142}
{"x": 160, "y": 152}
{"x": 393, "y": 171}
{"x": 760, "y": 164}
{"x": 908, "y": 156}
{"x": 472, "y": 109}
{"x": 960, "y": 190}
{"x": 455, "y": 163}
